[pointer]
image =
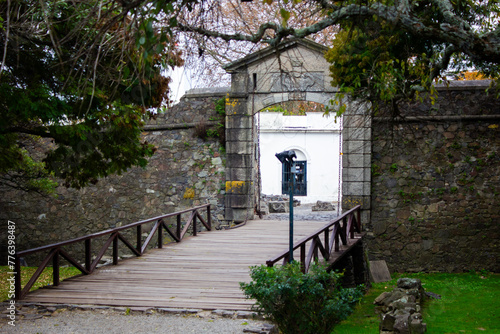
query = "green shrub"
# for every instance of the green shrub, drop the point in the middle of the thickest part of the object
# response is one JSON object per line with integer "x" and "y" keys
{"x": 301, "y": 303}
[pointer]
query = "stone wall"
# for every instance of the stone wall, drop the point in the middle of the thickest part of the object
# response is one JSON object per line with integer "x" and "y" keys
{"x": 436, "y": 185}
{"x": 185, "y": 171}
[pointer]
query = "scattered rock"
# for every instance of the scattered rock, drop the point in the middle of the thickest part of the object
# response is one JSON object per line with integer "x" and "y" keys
{"x": 409, "y": 283}
{"x": 264, "y": 209}
{"x": 224, "y": 313}
{"x": 400, "y": 308}
{"x": 323, "y": 206}
{"x": 32, "y": 316}
{"x": 432, "y": 295}
{"x": 245, "y": 315}
{"x": 278, "y": 207}
{"x": 262, "y": 329}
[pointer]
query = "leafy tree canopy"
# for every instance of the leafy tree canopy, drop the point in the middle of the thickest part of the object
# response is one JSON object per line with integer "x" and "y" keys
{"x": 385, "y": 51}
{"x": 77, "y": 77}
{"x": 76, "y": 81}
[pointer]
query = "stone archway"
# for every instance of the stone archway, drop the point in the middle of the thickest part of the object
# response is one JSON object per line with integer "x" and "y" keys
{"x": 296, "y": 70}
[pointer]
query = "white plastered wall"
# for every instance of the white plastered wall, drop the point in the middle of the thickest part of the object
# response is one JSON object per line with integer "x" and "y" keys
{"x": 313, "y": 137}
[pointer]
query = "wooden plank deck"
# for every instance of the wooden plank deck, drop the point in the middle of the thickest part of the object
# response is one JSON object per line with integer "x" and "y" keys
{"x": 201, "y": 272}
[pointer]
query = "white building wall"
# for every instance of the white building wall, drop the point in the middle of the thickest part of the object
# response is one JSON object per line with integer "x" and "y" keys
{"x": 314, "y": 138}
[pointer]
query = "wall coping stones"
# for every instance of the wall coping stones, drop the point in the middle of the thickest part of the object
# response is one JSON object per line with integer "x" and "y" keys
{"x": 464, "y": 85}
{"x": 206, "y": 92}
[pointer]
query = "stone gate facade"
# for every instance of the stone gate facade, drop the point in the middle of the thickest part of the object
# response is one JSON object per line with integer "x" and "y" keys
{"x": 296, "y": 70}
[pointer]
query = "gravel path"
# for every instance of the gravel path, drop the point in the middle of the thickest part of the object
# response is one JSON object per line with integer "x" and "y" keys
{"x": 111, "y": 321}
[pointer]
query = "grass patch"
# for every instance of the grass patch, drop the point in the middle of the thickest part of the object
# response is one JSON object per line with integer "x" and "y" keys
{"x": 26, "y": 273}
{"x": 469, "y": 304}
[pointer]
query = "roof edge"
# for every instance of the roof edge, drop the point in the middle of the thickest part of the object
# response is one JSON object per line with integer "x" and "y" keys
{"x": 268, "y": 51}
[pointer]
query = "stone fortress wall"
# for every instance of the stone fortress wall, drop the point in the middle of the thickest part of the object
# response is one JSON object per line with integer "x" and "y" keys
{"x": 185, "y": 171}
{"x": 435, "y": 190}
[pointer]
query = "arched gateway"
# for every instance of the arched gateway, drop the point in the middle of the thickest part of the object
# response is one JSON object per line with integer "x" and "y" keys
{"x": 295, "y": 70}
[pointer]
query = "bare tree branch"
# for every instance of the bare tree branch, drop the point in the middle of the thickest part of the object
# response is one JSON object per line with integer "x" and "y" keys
{"x": 453, "y": 31}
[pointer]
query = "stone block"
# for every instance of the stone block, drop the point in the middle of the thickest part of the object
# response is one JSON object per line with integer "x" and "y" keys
{"x": 356, "y": 134}
{"x": 379, "y": 273}
{"x": 238, "y": 187}
{"x": 264, "y": 208}
{"x": 239, "y": 147}
{"x": 239, "y": 215}
{"x": 356, "y": 160}
{"x": 243, "y": 174}
{"x": 278, "y": 207}
{"x": 350, "y": 201}
{"x": 356, "y": 146}
{"x": 379, "y": 227}
{"x": 238, "y": 201}
{"x": 409, "y": 283}
{"x": 356, "y": 174}
{"x": 239, "y": 122}
{"x": 417, "y": 326}
{"x": 357, "y": 108}
{"x": 387, "y": 323}
{"x": 357, "y": 121}
{"x": 402, "y": 324}
{"x": 356, "y": 188}
{"x": 239, "y": 160}
{"x": 323, "y": 206}
{"x": 244, "y": 134}
{"x": 239, "y": 83}
{"x": 320, "y": 97}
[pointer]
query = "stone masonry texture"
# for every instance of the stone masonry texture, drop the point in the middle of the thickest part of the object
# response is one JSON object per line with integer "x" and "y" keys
{"x": 436, "y": 185}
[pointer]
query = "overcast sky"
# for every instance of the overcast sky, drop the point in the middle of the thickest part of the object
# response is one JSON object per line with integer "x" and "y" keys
{"x": 181, "y": 82}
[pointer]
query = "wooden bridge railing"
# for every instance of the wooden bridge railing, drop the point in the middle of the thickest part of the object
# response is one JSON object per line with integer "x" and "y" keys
{"x": 115, "y": 235}
{"x": 339, "y": 230}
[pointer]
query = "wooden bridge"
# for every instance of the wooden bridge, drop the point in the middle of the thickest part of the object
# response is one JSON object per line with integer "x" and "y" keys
{"x": 201, "y": 272}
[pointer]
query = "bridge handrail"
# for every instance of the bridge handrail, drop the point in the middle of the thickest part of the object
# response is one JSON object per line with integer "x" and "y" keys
{"x": 55, "y": 250}
{"x": 341, "y": 229}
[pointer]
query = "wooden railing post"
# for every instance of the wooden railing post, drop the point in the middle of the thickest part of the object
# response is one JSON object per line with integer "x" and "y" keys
{"x": 88, "y": 254}
{"x": 194, "y": 225}
{"x": 55, "y": 268}
{"x": 315, "y": 253}
{"x": 179, "y": 225}
{"x": 338, "y": 230}
{"x": 209, "y": 218}
{"x": 303, "y": 258}
{"x": 139, "y": 238}
{"x": 353, "y": 222}
{"x": 327, "y": 242}
{"x": 115, "y": 249}
{"x": 160, "y": 233}
{"x": 358, "y": 218}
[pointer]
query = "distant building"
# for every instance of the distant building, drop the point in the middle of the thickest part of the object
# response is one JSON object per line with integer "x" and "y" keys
{"x": 315, "y": 138}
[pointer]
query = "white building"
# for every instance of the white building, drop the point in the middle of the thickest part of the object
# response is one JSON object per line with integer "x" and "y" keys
{"x": 315, "y": 138}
